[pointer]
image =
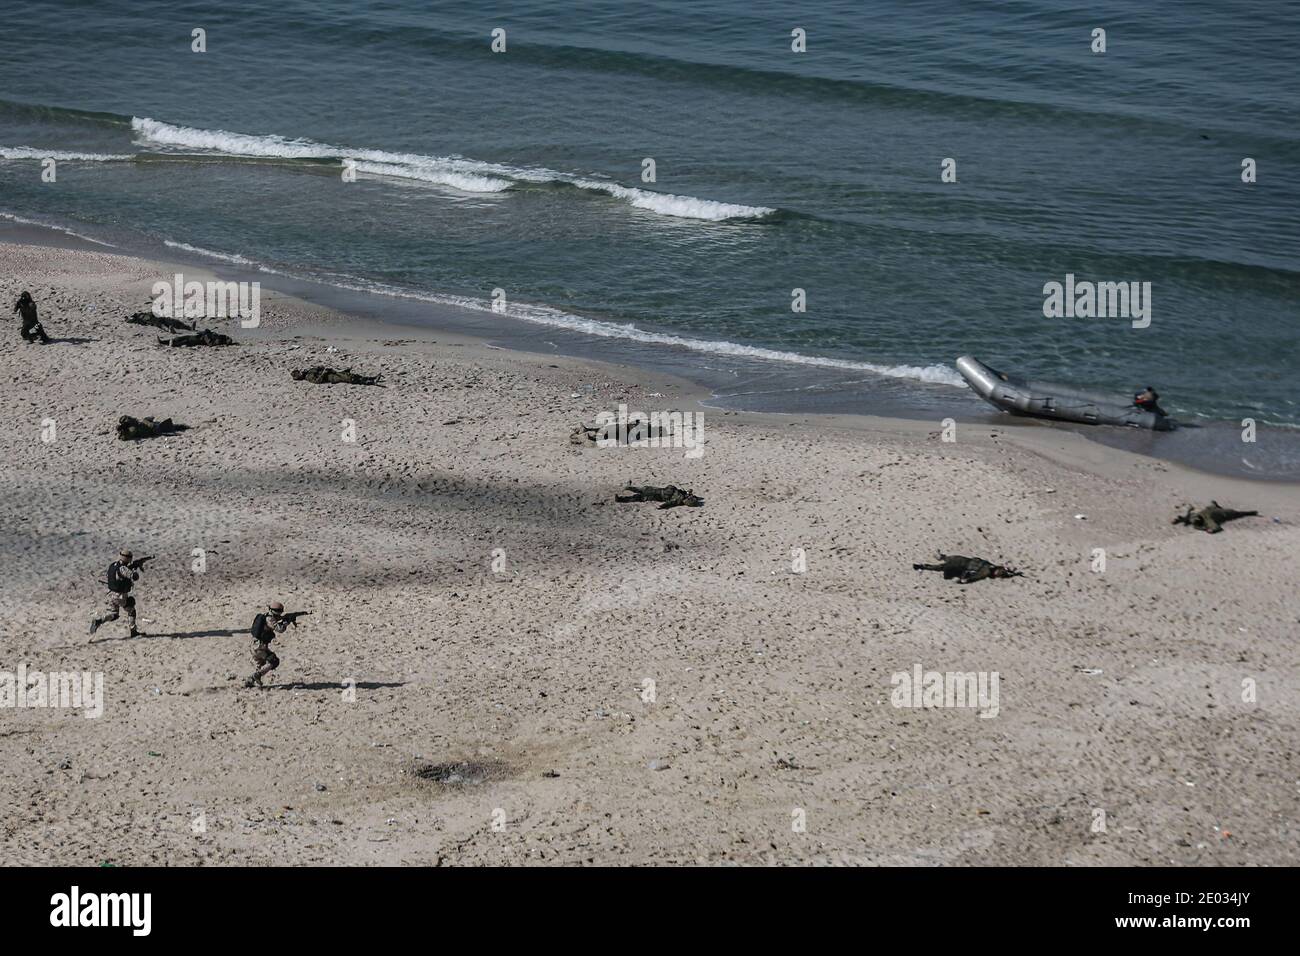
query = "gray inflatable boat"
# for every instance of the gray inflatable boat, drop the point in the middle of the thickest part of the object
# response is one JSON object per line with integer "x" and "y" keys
{"x": 1059, "y": 402}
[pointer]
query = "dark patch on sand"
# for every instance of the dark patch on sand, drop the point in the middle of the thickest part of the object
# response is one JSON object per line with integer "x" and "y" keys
{"x": 461, "y": 773}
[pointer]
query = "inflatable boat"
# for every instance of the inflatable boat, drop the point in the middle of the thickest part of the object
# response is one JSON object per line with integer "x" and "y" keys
{"x": 1064, "y": 403}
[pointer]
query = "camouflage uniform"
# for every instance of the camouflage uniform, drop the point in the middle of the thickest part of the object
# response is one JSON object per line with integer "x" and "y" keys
{"x": 324, "y": 375}
{"x": 133, "y": 429}
{"x": 119, "y": 601}
{"x": 116, "y": 604}
{"x": 265, "y": 627}
{"x": 965, "y": 570}
{"x": 1211, "y": 519}
{"x": 671, "y": 496}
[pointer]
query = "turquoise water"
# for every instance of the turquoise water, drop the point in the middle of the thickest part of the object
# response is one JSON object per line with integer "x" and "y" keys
{"x": 775, "y": 170}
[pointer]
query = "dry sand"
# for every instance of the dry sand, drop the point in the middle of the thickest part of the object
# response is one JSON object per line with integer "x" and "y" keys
{"x": 1119, "y": 691}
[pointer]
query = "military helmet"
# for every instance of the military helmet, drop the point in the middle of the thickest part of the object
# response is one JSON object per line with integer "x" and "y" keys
{"x": 276, "y": 606}
{"x": 124, "y": 554}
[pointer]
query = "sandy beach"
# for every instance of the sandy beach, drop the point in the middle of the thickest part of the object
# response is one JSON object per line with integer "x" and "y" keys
{"x": 504, "y": 666}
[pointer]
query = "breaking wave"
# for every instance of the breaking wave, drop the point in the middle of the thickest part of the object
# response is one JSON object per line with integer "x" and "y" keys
{"x": 57, "y": 228}
{"x": 545, "y": 315}
{"x": 31, "y": 152}
{"x": 467, "y": 175}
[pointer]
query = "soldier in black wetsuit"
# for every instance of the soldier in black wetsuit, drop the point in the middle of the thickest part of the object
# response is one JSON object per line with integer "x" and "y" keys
{"x": 32, "y": 330}
{"x": 967, "y": 570}
{"x": 1149, "y": 401}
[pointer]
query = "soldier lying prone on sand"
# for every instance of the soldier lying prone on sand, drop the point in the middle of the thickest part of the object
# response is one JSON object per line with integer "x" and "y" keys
{"x": 148, "y": 318}
{"x": 132, "y": 429}
{"x": 324, "y": 375}
{"x": 672, "y": 496}
{"x": 967, "y": 570}
{"x": 206, "y": 337}
{"x": 627, "y": 433}
{"x": 1210, "y": 519}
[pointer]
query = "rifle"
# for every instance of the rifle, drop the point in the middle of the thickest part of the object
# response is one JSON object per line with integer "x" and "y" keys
{"x": 292, "y": 617}
{"x": 138, "y": 563}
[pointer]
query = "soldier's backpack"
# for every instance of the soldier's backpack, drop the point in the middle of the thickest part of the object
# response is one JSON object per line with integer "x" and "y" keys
{"x": 114, "y": 580}
{"x": 261, "y": 631}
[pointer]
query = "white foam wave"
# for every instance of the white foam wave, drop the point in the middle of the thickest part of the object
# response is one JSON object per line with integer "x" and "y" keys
{"x": 31, "y": 152}
{"x": 233, "y": 258}
{"x": 221, "y": 141}
{"x": 441, "y": 175}
{"x": 49, "y": 225}
{"x": 544, "y": 315}
{"x": 686, "y": 207}
{"x": 223, "y": 256}
{"x": 463, "y": 174}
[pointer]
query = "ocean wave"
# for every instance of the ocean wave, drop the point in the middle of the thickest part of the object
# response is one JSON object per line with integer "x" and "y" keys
{"x": 934, "y": 374}
{"x": 234, "y": 259}
{"x": 435, "y": 173}
{"x": 464, "y": 174}
{"x": 40, "y": 111}
{"x": 32, "y": 152}
{"x": 49, "y": 225}
{"x": 666, "y": 204}
{"x": 545, "y": 315}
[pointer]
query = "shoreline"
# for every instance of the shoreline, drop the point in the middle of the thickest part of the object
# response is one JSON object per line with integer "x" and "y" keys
{"x": 479, "y": 599}
{"x": 1212, "y": 448}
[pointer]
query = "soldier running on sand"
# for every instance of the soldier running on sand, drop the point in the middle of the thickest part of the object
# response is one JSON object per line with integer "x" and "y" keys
{"x": 265, "y": 627}
{"x": 120, "y": 579}
{"x": 32, "y": 330}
